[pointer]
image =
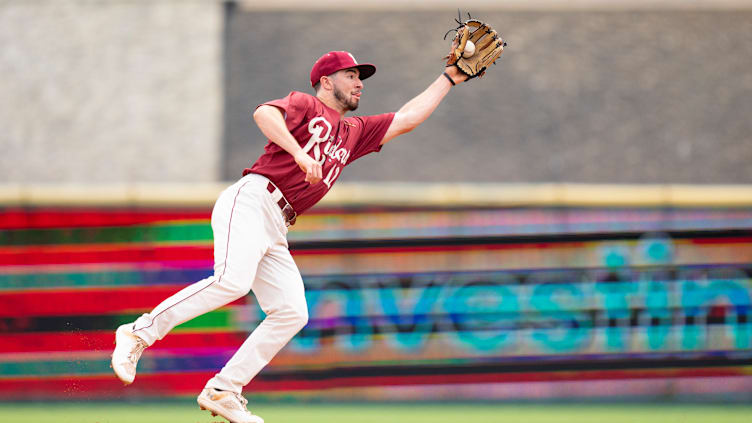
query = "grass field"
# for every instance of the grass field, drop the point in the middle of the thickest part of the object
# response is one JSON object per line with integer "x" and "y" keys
{"x": 380, "y": 413}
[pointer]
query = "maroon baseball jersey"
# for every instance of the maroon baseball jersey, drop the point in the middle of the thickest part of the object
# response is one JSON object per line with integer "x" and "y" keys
{"x": 321, "y": 132}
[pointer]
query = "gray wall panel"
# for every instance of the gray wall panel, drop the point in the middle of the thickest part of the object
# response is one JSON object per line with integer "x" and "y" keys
{"x": 613, "y": 97}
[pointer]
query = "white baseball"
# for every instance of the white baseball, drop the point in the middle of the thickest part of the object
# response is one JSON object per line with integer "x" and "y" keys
{"x": 469, "y": 49}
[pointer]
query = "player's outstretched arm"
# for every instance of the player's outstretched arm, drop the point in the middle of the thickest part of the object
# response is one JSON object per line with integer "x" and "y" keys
{"x": 417, "y": 110}
{"x": 272, "y": 124}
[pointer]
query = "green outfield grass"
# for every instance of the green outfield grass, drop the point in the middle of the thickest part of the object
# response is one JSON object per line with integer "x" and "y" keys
{"x": 379, "y": 413}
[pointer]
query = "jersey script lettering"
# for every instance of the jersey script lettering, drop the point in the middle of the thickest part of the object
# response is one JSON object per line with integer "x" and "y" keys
{"x": 316, "y": 128}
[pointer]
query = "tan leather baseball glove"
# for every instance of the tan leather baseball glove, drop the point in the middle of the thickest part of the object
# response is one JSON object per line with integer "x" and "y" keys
{"x": 475, "y": 47}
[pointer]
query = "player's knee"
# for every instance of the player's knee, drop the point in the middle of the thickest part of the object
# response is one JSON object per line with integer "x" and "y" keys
{"x": 234, "y": 288}
{"x": 296, "y": 316}
{"x": 300, "y": 317}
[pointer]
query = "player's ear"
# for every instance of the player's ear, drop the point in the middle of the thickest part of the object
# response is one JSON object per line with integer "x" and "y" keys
{"x": 326, "y": 83}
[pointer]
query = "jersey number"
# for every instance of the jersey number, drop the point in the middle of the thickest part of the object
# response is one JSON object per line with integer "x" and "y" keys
{"x": 333, "y": 173}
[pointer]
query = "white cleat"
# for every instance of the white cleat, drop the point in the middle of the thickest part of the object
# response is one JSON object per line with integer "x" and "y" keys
{"x": 128, "y": 349}
{"x": 227, "y": 404}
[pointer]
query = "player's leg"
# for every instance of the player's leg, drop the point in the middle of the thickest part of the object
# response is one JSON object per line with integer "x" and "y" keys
{"x": 279, "y": 290}
{"x": 240, "y": 241}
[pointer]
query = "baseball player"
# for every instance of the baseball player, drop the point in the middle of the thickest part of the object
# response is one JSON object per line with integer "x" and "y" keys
{"x": 310, "y": 141}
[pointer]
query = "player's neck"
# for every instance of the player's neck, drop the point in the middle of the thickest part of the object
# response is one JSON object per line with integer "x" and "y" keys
{"x": 332, "y": 103}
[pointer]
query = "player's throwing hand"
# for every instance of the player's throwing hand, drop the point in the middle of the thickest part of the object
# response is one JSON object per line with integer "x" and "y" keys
{"x": 311, "y": 167}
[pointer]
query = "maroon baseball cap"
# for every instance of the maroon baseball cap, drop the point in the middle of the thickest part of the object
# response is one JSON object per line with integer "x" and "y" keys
{"x": 336, "y": 61}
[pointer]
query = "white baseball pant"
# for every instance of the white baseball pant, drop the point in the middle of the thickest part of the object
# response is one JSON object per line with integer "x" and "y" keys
{"x": 250, "y": 253}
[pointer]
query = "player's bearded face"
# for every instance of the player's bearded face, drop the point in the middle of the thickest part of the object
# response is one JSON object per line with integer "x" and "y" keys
{"x": 347, "y": 100}
{"x": 347, "y": 88}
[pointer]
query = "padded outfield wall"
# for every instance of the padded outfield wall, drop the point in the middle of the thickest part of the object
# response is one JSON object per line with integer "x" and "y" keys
{"x": 507, "y": 292}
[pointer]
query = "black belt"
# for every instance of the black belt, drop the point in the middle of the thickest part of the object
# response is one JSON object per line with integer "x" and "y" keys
{"x": 287, "y": 211}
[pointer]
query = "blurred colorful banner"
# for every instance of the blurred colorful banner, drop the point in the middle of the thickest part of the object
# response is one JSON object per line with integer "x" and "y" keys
{"x": 429, "y": 302}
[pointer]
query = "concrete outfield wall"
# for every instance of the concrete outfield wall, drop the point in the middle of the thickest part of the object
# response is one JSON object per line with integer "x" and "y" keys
{"x": 110, "y": 90}
{"x": 133, "y": 91}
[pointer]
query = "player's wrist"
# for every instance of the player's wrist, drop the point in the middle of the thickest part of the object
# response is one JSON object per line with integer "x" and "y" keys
{"x": 449, "y": 78}
{"x": 454, "y": 76}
